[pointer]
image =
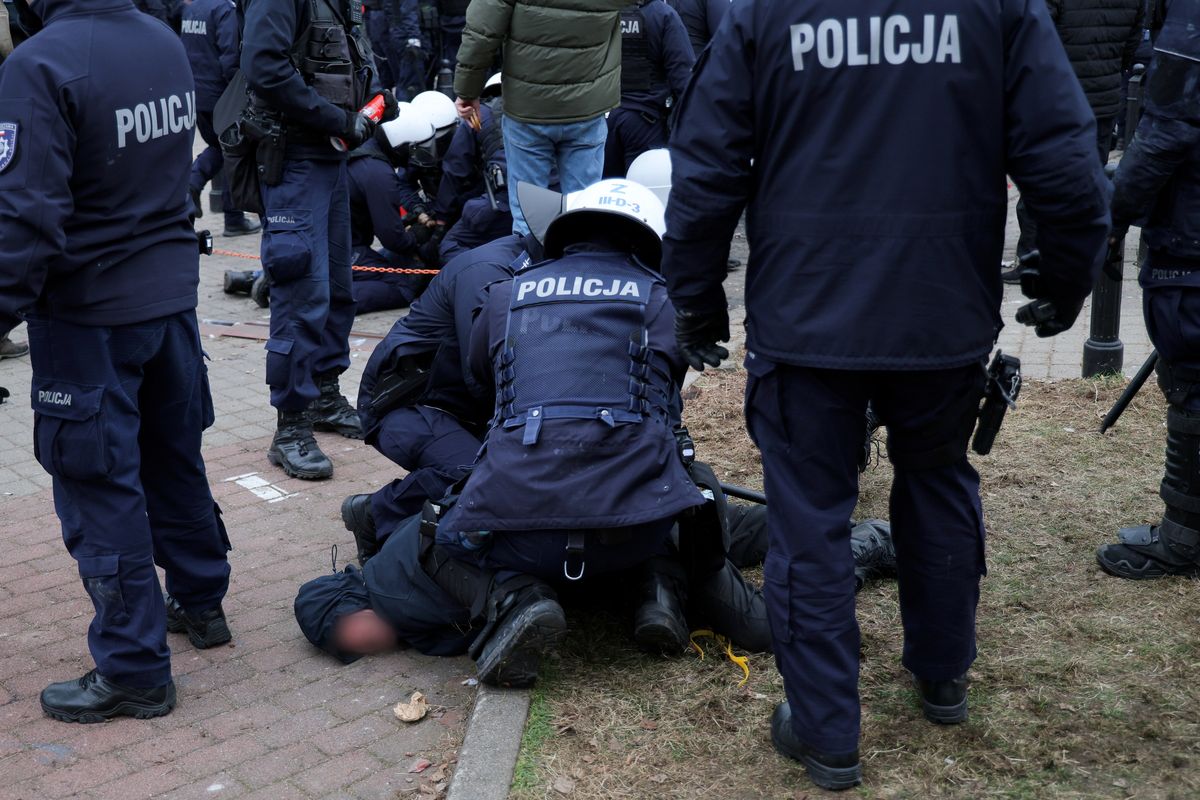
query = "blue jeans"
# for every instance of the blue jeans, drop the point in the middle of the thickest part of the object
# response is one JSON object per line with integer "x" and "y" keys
{"x": 534, "y": 152}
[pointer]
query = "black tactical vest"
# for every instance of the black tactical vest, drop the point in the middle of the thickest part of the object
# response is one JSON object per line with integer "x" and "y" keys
{"x": 331, "y": 57}
{"x": 639, "y": 73}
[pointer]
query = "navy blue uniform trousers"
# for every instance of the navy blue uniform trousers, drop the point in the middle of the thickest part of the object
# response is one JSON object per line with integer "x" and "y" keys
{"x": 435, "y": 448}
{"x": 809, "y": 425}
{"x": 306, "y": 254}
{"x": 631, "y": 133}
{"x": 119, "y": 414}
{"x": 379, "y": 291}
{"x": 1172, "y": 316}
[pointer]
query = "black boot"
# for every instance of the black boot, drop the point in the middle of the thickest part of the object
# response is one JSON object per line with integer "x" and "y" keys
{"x": 241, "y": 225}
{"x": 528, "y": 625}
{"x": 260, "y": 291}
{"x": 296, "y": 451}
{"x": 834, "y": 771}
{"x": 204, "y": 630}
{"x": 356, "y": 516}
{"x": 1172, "y": 547}
{"x": 874, "y": 552}
{"x": 94, "y": 698}
{"x": 332, "y": 411}
{"x": 747, "y": 534}
{"x": 659, "y": 625}
{"x": 731, "y": 607}
{"x": 943, "y": 702}
{"x": 238, "y": 281}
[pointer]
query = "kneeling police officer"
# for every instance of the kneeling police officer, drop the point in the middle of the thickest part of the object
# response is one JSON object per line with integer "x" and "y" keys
{"x": 101, "y": 259}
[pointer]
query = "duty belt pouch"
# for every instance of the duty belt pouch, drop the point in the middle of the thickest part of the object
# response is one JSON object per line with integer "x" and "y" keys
{"x": 270, "y": 158}
{"x": 241, "y": 169}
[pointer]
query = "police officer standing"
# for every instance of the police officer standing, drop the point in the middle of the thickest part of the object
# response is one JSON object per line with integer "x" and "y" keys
{"x": 1159, "y": 182}
{"x": 701, "y": 18}
{"x": 876, "y": 221}
{"x": 656, "y": 63}
{"x": 308, "y": 66}
{"x": 100, "y": 258}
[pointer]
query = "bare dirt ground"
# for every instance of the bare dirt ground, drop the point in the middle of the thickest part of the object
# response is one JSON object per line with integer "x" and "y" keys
{"x": 1084, "y": 688}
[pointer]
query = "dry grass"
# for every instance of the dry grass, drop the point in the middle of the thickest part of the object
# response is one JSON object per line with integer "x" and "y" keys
{"x": 1086, "y": 686}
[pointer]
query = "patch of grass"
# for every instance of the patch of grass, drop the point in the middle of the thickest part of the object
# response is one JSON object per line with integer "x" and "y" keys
{"x": 1085, "y": 687}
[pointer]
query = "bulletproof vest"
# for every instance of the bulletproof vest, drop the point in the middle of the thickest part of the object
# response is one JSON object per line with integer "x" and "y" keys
{"x": 492, "y": 138}
{"x": 576, "y": 346}
{"x": 453, "y": 8}
{"x": 328, "y": 56}
{"x": 639, "y": 73}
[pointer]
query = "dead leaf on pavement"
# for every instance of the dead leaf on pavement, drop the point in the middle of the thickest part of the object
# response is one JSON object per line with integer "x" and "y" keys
{"x": 413, "y": 710}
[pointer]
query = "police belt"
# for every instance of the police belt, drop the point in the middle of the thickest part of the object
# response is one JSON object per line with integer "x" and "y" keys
{"x": 532, "y": 419}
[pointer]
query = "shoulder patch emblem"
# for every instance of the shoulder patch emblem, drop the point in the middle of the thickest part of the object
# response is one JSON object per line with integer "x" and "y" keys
{"x": 8, "y": 143}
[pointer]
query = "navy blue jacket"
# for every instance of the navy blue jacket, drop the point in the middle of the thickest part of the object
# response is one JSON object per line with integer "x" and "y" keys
{"x": 701, "y": 18}
{"x": 668, "y": 47}
{"x": 462, "y": 178}
{"x": 93, "y": 200}
{"x": 1159, "y": 177}
{"x": 210, "y": 36}
{"x": 566, "y": 473}
{"x": 439, "y": 321}
{"x": 377, "y": 193}
{"x": 870, "y": 142}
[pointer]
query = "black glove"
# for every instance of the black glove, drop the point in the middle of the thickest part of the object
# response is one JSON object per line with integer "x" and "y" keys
{"x": 1054, "y": 308}
{"x": 391, "y": 108}
{"x": 1114, "y": 259}
{"x": 359, "y": 128}
{"x": 697, "y": 335}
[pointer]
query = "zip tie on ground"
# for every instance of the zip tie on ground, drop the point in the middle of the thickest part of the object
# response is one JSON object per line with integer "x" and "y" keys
{"x": 356, "y": 267}
{"x": 722, "y": 641}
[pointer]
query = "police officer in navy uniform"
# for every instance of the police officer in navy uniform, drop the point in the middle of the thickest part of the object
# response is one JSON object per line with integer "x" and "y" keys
{"x": 656, "y": 64}
{"x": 209, "y": 30}
{"x": 101, "y": 260}
{"x": 1158, "y": 186}
{"x": 876, "y": 211}
{"x": 309, "y": 69}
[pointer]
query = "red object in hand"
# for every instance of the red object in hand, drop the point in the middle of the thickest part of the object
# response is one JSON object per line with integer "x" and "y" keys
{"x": 373, "y": 111}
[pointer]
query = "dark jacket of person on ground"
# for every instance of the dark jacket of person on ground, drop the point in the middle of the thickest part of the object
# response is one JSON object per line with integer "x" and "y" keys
{"x": 1101, "y": 38}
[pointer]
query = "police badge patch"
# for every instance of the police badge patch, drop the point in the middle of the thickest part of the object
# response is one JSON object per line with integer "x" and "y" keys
{"x": 8, "y": 143}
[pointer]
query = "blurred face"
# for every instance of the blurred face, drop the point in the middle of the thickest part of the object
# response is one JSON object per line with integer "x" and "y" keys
{"x": 364, "y": 632}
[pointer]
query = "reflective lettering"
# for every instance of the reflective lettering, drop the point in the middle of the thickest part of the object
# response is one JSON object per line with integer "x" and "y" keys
{"x": 525, "y": 287}
{"x": 853, "y": 57}
{"x": 922, "y": 52}
{"x": 158, "y": 118}
{"x": 124, "y": 125}
{"x": 829, "y": 43}
{"x": 55, "y": 398}
{"x": 893, "y": 52}
{"x": 860, "y": 42}
{"x": 948, "y": 46}
{"x": 802, "y": 42}
{"x": 591, "y": 287}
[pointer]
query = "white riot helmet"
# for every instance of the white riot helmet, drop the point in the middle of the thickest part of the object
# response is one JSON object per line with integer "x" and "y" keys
{"x": 438, "y": 108}
{"x": 652, "y": 169}
{"x": 631, "y": 210}
{"x": 409, "y": 127}
{"x": 492, "y": 87}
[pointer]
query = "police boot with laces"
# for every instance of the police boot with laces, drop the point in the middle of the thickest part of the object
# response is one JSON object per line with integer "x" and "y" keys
{"x": 874, "y": 552}
{"x": 296, "y": 451}
{"x": 659, "y": 625}
{"x": 943, "y": 702}
{"x": 238, "y": 281}
{"x": 356, "y": 516}
{"x": 204, "y": 629}
{"x": 94, "y": 698}
{"x": 733, "y": 608}
{"x": 833, "y": 771}
{"x": 529, "y": 624}
{"x": 1173, "y": 546}
{"x": 332, "y": 411}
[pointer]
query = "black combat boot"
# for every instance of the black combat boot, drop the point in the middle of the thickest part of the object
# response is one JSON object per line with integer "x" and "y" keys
{"x": 834, "y": 771}
{"x": 332, "y": 411}
{"x": 874, "y": 552}
{"x": 747, "y": 534}
{"x": 296, "y": 451}
{"x": 943, "y": 702}
{"x": 528, "y": 625}
{"x": 241, "y": 225}
{"x": 204, "y": 630}
{"x": 1173, "y": 546}
{"x": 731, "y": 607}
{"x": 260, "y": 291}
{"x": 94, "y": 698}
{"x": 238, "y": 281}
{"x": 659, "y": 625}
{"x": 356, "y": 516}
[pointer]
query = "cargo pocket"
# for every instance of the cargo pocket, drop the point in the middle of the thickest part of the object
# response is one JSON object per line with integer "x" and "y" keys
{"x": 765, "y": 419}
{"x": 69, "y": 439}
{"x": 287, "y": 245}
{"x": 279, "y": 361}
{"x": 777, "y": 592}
{"x": 102, "y": 579}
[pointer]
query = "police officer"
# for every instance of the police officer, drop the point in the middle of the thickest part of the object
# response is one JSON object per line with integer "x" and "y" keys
{"x": 1158, "y": 185}
{"x": 384, "y": 204}
{"x": 876, "y": 220}
{"x": 656, "y": 63}
{"x": 701, "y": 18}
{"x": 100, "y": 258}
{"x": 308, "y": 67}
{"x": 210, "y": 37}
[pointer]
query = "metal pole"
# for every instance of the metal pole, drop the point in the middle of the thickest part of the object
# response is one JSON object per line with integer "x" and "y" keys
{"x": 1103, "y": 351}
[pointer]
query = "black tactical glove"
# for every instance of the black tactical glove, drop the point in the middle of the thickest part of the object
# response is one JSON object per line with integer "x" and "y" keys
{"x": 697, "y": 334}
{"x": 1055, "y": 306}
{"x": 359, "y": 128}
{"x": 391, "y": 108}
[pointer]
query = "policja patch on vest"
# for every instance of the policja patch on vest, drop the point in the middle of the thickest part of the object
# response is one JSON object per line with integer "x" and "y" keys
{"x": 8, "y": 143}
